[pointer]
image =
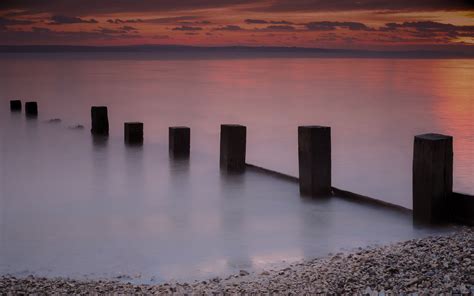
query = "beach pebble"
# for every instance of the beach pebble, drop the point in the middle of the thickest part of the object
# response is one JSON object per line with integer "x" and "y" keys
{"x": 405, "y": 268}
{"x": 243, "y": 272}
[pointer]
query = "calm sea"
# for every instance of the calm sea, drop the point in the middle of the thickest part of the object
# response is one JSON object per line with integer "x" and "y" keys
{"x": 374, "y": 106}
{"x": 71, "y": 206}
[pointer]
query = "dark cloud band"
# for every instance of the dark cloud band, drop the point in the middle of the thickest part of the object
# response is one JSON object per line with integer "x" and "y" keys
{"x": 66, "y": 20}
{"x": 94, "y": 7}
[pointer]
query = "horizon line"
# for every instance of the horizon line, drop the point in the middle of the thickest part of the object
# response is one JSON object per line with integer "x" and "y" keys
{"x": 229, "y": 49}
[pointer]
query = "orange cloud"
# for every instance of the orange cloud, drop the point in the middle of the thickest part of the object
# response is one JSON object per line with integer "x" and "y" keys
{"x": 372, "y": 24}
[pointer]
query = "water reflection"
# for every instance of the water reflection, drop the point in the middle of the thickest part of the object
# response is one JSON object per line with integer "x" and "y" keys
{"x": 233, "y": 220}
{"x": 100, "y": 165}
{"x": 374, "y": 106}
{"x": 179, "y": 165}
{"x": 99, "y": 142}
{"x": 180, "y": 193}
{"x": 74, "y": 205}
{"x": 316, "y": 212}
{"x": 457, "y": 93}
{"x": 134, "y": 211}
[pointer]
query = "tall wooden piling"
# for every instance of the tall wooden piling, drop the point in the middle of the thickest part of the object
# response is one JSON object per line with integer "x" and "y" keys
{"x": 432, "y": 177}
{"x": 31, "y": 109}
{"x": 233, "y": 147}
{"x": 314, "y": 158}
{"x": 133, "y": 133}
{"x": 15, "y": 105}
{"x": 179, "y": 141}
{"x": 100, "y": 120}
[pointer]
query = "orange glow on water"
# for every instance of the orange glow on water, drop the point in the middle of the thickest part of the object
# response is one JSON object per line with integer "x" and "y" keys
{"x": 455, "y": 89}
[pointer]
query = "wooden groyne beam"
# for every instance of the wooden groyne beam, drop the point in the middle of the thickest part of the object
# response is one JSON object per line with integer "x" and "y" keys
{"x": 15, "y": 105}
{"x": 432, "y": 177}
{"x": 99, "y": 121}
{"x": 345, "y": 194}
{"x": 433, "y": 198}
{"x": 314, "y": 160}
{"x": 133, "y": 133}
{"x": 179, "y": 141}
{"x": 462, "y": 208}
{"x": 233, "y": 143}
{"x": 31, "y": 109}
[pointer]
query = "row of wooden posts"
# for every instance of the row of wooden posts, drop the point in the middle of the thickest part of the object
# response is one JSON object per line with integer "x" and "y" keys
{"x": 432, "y": 162}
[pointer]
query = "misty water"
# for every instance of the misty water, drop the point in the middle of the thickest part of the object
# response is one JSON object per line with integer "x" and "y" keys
{"x": 72, "y": 205}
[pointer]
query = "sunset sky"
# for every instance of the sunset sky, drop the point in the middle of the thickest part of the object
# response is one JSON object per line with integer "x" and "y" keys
{"x": 364, "y": 24}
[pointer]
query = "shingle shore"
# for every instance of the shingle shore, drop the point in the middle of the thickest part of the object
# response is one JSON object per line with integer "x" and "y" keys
{"x": 428, "y": 266}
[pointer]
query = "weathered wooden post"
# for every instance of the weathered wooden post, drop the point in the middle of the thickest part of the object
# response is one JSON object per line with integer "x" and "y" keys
{"x": 179, "y": 141}
{"x": 314, "y": 158}
{"x": 15, "y": 105}
{"x": 100, "y": 120}
{"x": 133, "y": 133}
{"x": 432, "y": 177}
{"x": 31, "y": 109}
{"x": 232, "y": 147}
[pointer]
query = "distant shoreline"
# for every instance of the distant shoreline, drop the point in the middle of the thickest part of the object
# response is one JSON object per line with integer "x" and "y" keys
{"x": 237, "y": 51}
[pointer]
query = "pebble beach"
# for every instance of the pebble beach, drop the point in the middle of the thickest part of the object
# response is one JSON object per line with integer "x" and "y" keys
{"x": 429, "y": 266}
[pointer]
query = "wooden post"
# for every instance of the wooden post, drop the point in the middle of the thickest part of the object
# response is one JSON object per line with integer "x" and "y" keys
{"x": 432, "y": 177}
{"x": 15, "y": 105}
{"x": 133, "y": 133}
{"x": 100, "y": 120}
{"x": 314, "y": 158}
{"x": 179, "y": 141}
{"x": 233, "y": 146}
{"x": 31, "y": 109}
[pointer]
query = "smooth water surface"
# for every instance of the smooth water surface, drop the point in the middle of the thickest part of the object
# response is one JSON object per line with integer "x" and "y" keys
{"x": 74, "y": 206}
{"x": 374, "y": 106}
{"x": 78, "y": 207}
